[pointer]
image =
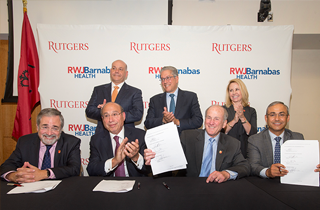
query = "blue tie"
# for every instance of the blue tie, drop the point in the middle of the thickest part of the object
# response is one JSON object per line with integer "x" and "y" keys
{"x": 207, "y": 160}
{"x": 172, "y": 105}
{"x": 46, "y": 163}
{"x": 277, "y": 150}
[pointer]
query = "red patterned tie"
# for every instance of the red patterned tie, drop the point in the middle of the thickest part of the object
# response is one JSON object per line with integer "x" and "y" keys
{"x": 120, "y": 169}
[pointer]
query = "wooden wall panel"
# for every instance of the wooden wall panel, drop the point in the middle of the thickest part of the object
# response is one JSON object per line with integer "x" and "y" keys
{"x": 8, "y": 110}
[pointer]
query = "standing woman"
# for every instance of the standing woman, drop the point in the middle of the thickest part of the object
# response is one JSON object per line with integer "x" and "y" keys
{"x": 242, "y": 119}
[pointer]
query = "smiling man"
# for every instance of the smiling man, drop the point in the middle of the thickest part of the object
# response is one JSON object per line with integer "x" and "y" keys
{"x": 48, "y": 154}
{"x": 174, "y": 105}
{"x": 209, "y": 152}
{"x": 264, "y": 148}
{"x": 130, "y": 98}
{"x": 116, "y": 151}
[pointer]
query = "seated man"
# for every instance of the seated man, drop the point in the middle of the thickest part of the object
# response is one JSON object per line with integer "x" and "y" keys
{"x": 209, "y": 152}
{"x": 116, "y": 150}
{"x": 264, "y": 148}
{"x": 48, "y": 154}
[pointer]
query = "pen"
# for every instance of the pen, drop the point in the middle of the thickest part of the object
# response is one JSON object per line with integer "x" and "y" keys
{"x": 138, "y": 185}
{"x": 15, "y": 184}
{"x": 164, "y": 184}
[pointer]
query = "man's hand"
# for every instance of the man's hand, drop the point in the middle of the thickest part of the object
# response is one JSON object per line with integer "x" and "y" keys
{"x": 276, "y": 170}
{"x": 317, "y": 169}
{"x": 218, "y": 176}
{"x": 148, "y": 155}
{"x": 27, "y": 173}
{"x": 132, "y": 150}
{"x": 101, "y": 105}
{"x": 120, "y": 155}
{"x": 169, "y": 117}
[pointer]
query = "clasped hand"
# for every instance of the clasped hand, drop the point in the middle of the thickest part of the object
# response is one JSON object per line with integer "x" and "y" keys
{"x": 169, "y": 117}
{"x": 27, "y": 173}
{"x": 129, "y": 149}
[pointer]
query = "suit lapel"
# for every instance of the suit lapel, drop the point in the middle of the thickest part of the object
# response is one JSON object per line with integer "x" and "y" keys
{"x": 108, "y": 92}
{"x": 58, "y": 151}
{"x": 221, "y": 151}
{"x": 199, "y": 146}
{"x": 163, "y": 102}
{"x": 122, "y": 93}
{"x": 35, "y": 150}
{"x": 267, "y": 144}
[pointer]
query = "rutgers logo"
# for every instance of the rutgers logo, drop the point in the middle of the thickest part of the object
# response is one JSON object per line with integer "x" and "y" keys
{"x": 67, "y": 46}
{"x": 231, "y": 48}
{"x": 149, "y": 47}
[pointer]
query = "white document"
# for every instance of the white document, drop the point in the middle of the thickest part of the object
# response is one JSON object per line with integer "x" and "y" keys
{"x": 164, "y": 140}
{"x": 300, "y": 157}
{"x": 117, "y": 186}
{"x": 35, "y": 187}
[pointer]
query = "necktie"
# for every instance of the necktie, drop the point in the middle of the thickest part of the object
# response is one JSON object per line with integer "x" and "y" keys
{"x": 120, "y": 169}
{"x": 277, "y": 150}
{"x": 46, "y": 163}
{"x": 207, "y": 160}
{"x": 114, "y": 94}
{"x": 172, "y": 105}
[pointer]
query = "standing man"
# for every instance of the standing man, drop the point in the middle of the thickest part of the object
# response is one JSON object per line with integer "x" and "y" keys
{"x": 209, "y": 152}
{"x": 130, "y": 98}
{"x": 48, "y": 154}
{"x": 264, "y": 147}
{"x": 116, "y": 150}
{"x": 174, "y": 105}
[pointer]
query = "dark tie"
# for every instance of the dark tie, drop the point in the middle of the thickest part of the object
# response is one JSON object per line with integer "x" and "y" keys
{"x": 46, "y": 163}
{"x": 120, "y": 169}
{"x": 172, "y": 105}
{"x": 277, "y": 150}
{"x": 207, "y": 160}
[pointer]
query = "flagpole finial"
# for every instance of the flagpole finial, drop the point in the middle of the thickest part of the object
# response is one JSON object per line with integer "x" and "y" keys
{"x": 25, "y": 2}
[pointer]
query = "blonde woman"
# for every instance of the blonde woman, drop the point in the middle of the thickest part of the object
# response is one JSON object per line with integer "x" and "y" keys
{"x": 242, "y": 119}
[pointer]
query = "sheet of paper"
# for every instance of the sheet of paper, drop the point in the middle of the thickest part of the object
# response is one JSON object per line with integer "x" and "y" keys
{"x": 117, "y": 186}
{"x": 164, "y": 140}
{"x": 35, "y": 187}
{"x": 300, "y": 158}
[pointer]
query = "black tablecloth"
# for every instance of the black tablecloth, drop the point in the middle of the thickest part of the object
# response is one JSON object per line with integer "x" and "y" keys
{"x": 184, "y": 193}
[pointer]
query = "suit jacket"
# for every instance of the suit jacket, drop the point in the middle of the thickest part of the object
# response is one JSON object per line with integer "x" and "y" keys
{"x": 187, "y": 111}
{"x": 237, "y": 131}
{"x": 230, "y": 157}
{"x": 260, "y": 151}
{"x": 130, "y": 98}
{"x": 66, "y": 158}
{"x": 101, "y": 150}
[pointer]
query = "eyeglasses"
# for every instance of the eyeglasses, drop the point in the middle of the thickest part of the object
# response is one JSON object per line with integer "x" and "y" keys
{"x": 115, "y": 114}
{"x": 281, "y": 114}
{"x": 166, "y": 79}
{"x": 46, "y": 128}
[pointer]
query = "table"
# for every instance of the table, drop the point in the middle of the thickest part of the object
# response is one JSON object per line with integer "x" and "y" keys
{"x": 184, "y": 193}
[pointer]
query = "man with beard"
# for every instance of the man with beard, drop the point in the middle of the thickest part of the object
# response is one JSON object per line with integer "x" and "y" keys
{"x": 48, "y": 154}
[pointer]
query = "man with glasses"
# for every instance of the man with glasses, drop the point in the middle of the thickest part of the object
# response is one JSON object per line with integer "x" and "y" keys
{"x": 48, "y": 154}
{"x": 264, "y": 148}
{"x": 130, "y": 98}
{"x": 174, "y": 105}
{"x": 116, "y": 150}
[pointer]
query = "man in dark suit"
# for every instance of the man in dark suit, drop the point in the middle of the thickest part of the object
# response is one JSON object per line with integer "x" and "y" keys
{"x": 130, "y": 98}
{"x": 209, "y": 152}
{"x": 174, "y": 105}
{"x": 116, "y": 151}
{"x": 261, "y": 146}
{"x": 48, "y": 154}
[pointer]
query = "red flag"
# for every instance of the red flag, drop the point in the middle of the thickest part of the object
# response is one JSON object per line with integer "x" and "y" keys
{"x": 28, "y": 81}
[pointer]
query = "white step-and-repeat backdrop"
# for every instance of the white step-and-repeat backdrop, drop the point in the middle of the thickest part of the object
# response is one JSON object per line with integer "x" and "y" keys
{"x": 75, "y": 58}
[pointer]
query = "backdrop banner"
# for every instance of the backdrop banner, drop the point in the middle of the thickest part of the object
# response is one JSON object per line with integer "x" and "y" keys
{"x": 75, "y": 58}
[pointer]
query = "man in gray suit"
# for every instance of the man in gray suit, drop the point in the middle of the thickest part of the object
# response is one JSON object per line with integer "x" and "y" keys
{"x": 261, "y": 147}
{"x": 209, "y": 152}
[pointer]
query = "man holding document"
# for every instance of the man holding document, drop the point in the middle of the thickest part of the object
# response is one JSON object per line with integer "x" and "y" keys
{"x": 264, "y": 148}
{"x": 116, "y": 150}
{"x": 209, "y": 152}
